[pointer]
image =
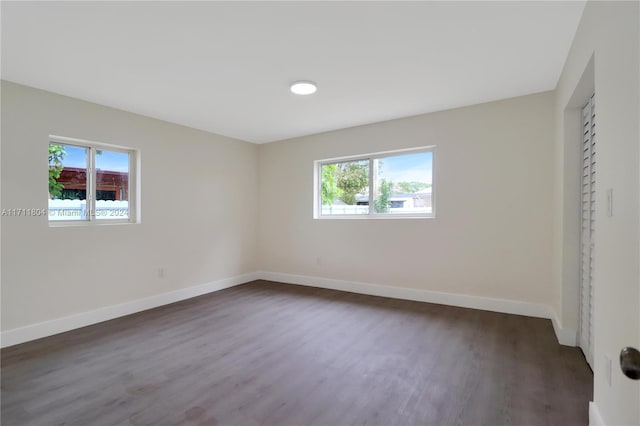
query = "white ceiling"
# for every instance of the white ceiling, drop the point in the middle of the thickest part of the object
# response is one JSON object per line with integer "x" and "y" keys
{"x": 225, "y": 67}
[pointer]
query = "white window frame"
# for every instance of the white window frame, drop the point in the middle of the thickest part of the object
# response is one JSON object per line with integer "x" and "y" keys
{"x": 133, "y": 184}
{"x": 317, "y": 185}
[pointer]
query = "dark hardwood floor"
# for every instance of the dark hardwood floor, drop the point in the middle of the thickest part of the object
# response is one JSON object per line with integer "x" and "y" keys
{"x": 276, "y": 354}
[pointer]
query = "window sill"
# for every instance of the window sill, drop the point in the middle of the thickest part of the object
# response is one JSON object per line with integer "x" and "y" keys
{"x": 74, "y": 224}
{"x": 373, "y": 217}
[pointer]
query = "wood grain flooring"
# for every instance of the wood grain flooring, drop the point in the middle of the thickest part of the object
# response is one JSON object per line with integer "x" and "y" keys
{"x": 273, "y": 354}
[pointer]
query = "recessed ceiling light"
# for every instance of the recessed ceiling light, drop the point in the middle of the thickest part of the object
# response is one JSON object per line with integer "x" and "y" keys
{"x": 304, "y": 87}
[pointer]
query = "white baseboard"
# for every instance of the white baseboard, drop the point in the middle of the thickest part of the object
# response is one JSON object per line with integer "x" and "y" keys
{"x": 60, "y": 325}
{"x": 419, "y": 295}
{"x": 566, "y": 337}
{"x": 595, "y": 419}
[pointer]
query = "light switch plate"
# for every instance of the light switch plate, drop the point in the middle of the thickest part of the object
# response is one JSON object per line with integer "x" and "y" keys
{"x": 607, "y": 369}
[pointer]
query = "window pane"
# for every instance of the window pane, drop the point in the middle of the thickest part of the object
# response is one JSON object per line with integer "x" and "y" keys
{"x": 112, "y": 185}
{"x": 403, "y": 184}
{"x": 67, "y": 182}
{"x": 345, "y": 188}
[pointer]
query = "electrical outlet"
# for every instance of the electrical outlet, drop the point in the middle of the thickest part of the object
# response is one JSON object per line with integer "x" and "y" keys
{"x": 610, "y": 202}
{"x": 318, "y": 262}
{"x": 161, "y": 273}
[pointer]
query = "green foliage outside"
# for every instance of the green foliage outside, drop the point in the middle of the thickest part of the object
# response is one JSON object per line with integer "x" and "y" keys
{"x": 56, "y": 155}
{"x": 330, "y": 190}
{"x": 409, "y": 187}
{"x": 352, "y": 179}
{"x": 344, "y": 181}
{"x": 382, "y": 203}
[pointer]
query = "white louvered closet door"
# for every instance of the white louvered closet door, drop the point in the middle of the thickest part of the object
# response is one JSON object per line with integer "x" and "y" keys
{"x": 588, "y": 229}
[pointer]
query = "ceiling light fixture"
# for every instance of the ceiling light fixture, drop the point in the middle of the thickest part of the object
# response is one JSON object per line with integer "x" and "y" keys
{"x": 304, "y": 88}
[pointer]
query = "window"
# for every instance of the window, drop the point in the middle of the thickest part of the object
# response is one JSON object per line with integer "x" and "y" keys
{"x": 390, "y": 184}
{"x": 90, "y": 182}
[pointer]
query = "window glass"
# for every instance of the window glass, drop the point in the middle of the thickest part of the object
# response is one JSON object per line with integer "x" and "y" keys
{"x": 345, "y": 188}
{"x": 90, "y": 183}
{"x": 112, "y": 185}
{"x": 378, "y": 185}
{"x": 403, "y": 184}
{"x": 67, "y": 182}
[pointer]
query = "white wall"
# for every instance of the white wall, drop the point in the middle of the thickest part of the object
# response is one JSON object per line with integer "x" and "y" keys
{"x": 604, "y": 56}
{"x": 492, "y": 235}
{"x": 49, "y": 273}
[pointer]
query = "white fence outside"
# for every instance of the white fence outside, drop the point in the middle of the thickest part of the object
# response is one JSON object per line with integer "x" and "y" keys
{"x": 356, "y": 210}
{"x": 344, "y": 209}
{"x": 420, "y": 203}
{"x": 77, "y": 210}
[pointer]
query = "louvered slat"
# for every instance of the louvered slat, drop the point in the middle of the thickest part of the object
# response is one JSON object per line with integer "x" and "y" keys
{"x": 587, "y": 228}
